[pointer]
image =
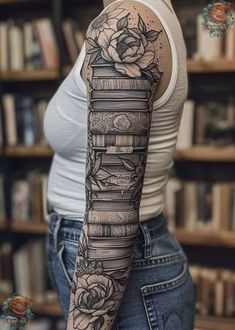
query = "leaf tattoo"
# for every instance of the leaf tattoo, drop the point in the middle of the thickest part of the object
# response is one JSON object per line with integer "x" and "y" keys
{"x": 123, "y": 22}
{"x": 142, "y": 25}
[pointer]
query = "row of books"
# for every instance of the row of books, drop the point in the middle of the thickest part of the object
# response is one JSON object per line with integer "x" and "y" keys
{"x": 213, "y": 47}
{"x": 201, "y": 205}
{"x": 23, "y": 118}
{"x": 215, "y": 290}
{"x": 28, "y": 45}
{"x": 28, "y": 198}
{"x": 207, "y": 123}
{"x": 33, "y": 44}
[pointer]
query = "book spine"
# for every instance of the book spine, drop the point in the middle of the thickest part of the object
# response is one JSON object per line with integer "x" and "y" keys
{"x": 112, "y": 218}
{"x": 28, "y": 45}
{"x": 3, "y": 47}
{"x": 16, "y": 48}
{"x": 120, "y": 84}
{"x": 109, "y": 253}
{"x": 123, "y": 94}
{"x": 98, "y": 205}
{"x": 27, "y": 116}
{"x": 10, "y": 119}
{"x": 114, "y": 104}
{"x": 113, "y": 242}
{"x": 119, "y": 140}
{"x": 112, "y": 231}
{"x": 138, "y": 125}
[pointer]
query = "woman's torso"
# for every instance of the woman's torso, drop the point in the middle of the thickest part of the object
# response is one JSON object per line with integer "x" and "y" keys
{"x": 65, "y": 126}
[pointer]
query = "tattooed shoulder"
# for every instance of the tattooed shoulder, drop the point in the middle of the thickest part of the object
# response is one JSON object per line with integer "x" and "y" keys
{"x": 130, "y": 37}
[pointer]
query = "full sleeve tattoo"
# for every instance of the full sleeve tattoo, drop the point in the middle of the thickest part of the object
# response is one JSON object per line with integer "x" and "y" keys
{"x": 122, "y": 76}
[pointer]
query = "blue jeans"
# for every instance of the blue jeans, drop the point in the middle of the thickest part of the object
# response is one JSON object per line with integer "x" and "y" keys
{"x": 160, "y": 293}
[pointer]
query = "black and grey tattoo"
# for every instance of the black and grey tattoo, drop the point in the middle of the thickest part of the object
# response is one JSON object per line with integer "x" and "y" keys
{"x": 124, "y": 75}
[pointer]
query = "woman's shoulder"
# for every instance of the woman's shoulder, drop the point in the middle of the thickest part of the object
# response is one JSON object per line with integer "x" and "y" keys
{"x": 130, "y": 35}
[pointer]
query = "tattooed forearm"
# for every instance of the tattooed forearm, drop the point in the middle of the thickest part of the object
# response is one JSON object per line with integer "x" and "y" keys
{"x": 122, "y": 80}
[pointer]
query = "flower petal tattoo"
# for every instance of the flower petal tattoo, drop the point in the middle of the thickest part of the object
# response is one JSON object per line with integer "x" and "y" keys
{"x": 124, "y": 74}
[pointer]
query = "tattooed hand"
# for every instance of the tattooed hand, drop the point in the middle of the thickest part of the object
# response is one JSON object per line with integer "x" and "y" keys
{"x": 122, "y": 73}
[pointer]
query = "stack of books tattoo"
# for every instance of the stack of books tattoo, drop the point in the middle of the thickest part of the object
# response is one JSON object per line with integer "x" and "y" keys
{"x": 118, "y": 142}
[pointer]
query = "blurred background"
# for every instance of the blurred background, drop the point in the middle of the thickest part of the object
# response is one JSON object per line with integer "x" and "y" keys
{"x": 39, "y": 43}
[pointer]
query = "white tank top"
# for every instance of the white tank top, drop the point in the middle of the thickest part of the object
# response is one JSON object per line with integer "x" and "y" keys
{"x": 65, "y": 126}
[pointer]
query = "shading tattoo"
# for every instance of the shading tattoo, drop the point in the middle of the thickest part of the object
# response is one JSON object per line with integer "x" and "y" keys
{"x": 124, "y": 76}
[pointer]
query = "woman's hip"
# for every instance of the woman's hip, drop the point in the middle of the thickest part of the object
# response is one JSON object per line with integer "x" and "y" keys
{"x": 160, "y": 289}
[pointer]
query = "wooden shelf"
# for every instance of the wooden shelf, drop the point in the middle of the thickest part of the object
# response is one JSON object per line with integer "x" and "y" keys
{"x": 200, "y": 66}
{"x": 47, "y": 309}
{"x": 2, "y": 225}
{"x": 16, "y": 2}
{"x": 205, "y": 237}
{"x": 29, "y": 75}
{"x": 24, "y": 151}
{"x": 28, "y": 227}
{"x": 206, "y": 153}
{"x": 214, "y": 323}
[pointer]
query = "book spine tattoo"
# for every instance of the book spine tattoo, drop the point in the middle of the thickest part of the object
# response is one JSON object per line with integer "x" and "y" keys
{"x": 123, "y": 77}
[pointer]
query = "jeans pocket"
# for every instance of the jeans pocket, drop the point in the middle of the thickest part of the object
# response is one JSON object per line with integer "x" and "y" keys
{"x": 170, "y": 304}
{"x": 67, "y": 254}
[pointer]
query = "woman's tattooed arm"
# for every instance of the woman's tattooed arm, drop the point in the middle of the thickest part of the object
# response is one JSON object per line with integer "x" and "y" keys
{"x": 122, "y": 74}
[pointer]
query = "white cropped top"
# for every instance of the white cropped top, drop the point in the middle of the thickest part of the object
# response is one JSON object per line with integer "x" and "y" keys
{"x": 65, "y": 126}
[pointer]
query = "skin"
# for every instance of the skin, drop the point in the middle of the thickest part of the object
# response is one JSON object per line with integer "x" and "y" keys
{"x": 127, "y": 57}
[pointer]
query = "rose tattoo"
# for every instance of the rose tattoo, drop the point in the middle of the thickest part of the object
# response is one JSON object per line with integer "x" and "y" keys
{"x": 130, "y": 49}
{"x": 93, "y": 298}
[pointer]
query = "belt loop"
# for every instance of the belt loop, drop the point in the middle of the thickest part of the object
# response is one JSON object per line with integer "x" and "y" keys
{"x": 147, "y": 240}
{"x": 56, "y": 230}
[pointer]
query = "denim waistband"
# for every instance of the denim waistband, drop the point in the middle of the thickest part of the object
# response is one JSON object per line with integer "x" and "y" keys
{"x": 70, "y": 228}
{"x": 149, "y": 230}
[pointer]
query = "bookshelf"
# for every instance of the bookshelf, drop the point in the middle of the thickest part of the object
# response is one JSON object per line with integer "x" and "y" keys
{"x": 204, "y": 168}
{"x": 39, "y": 84}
